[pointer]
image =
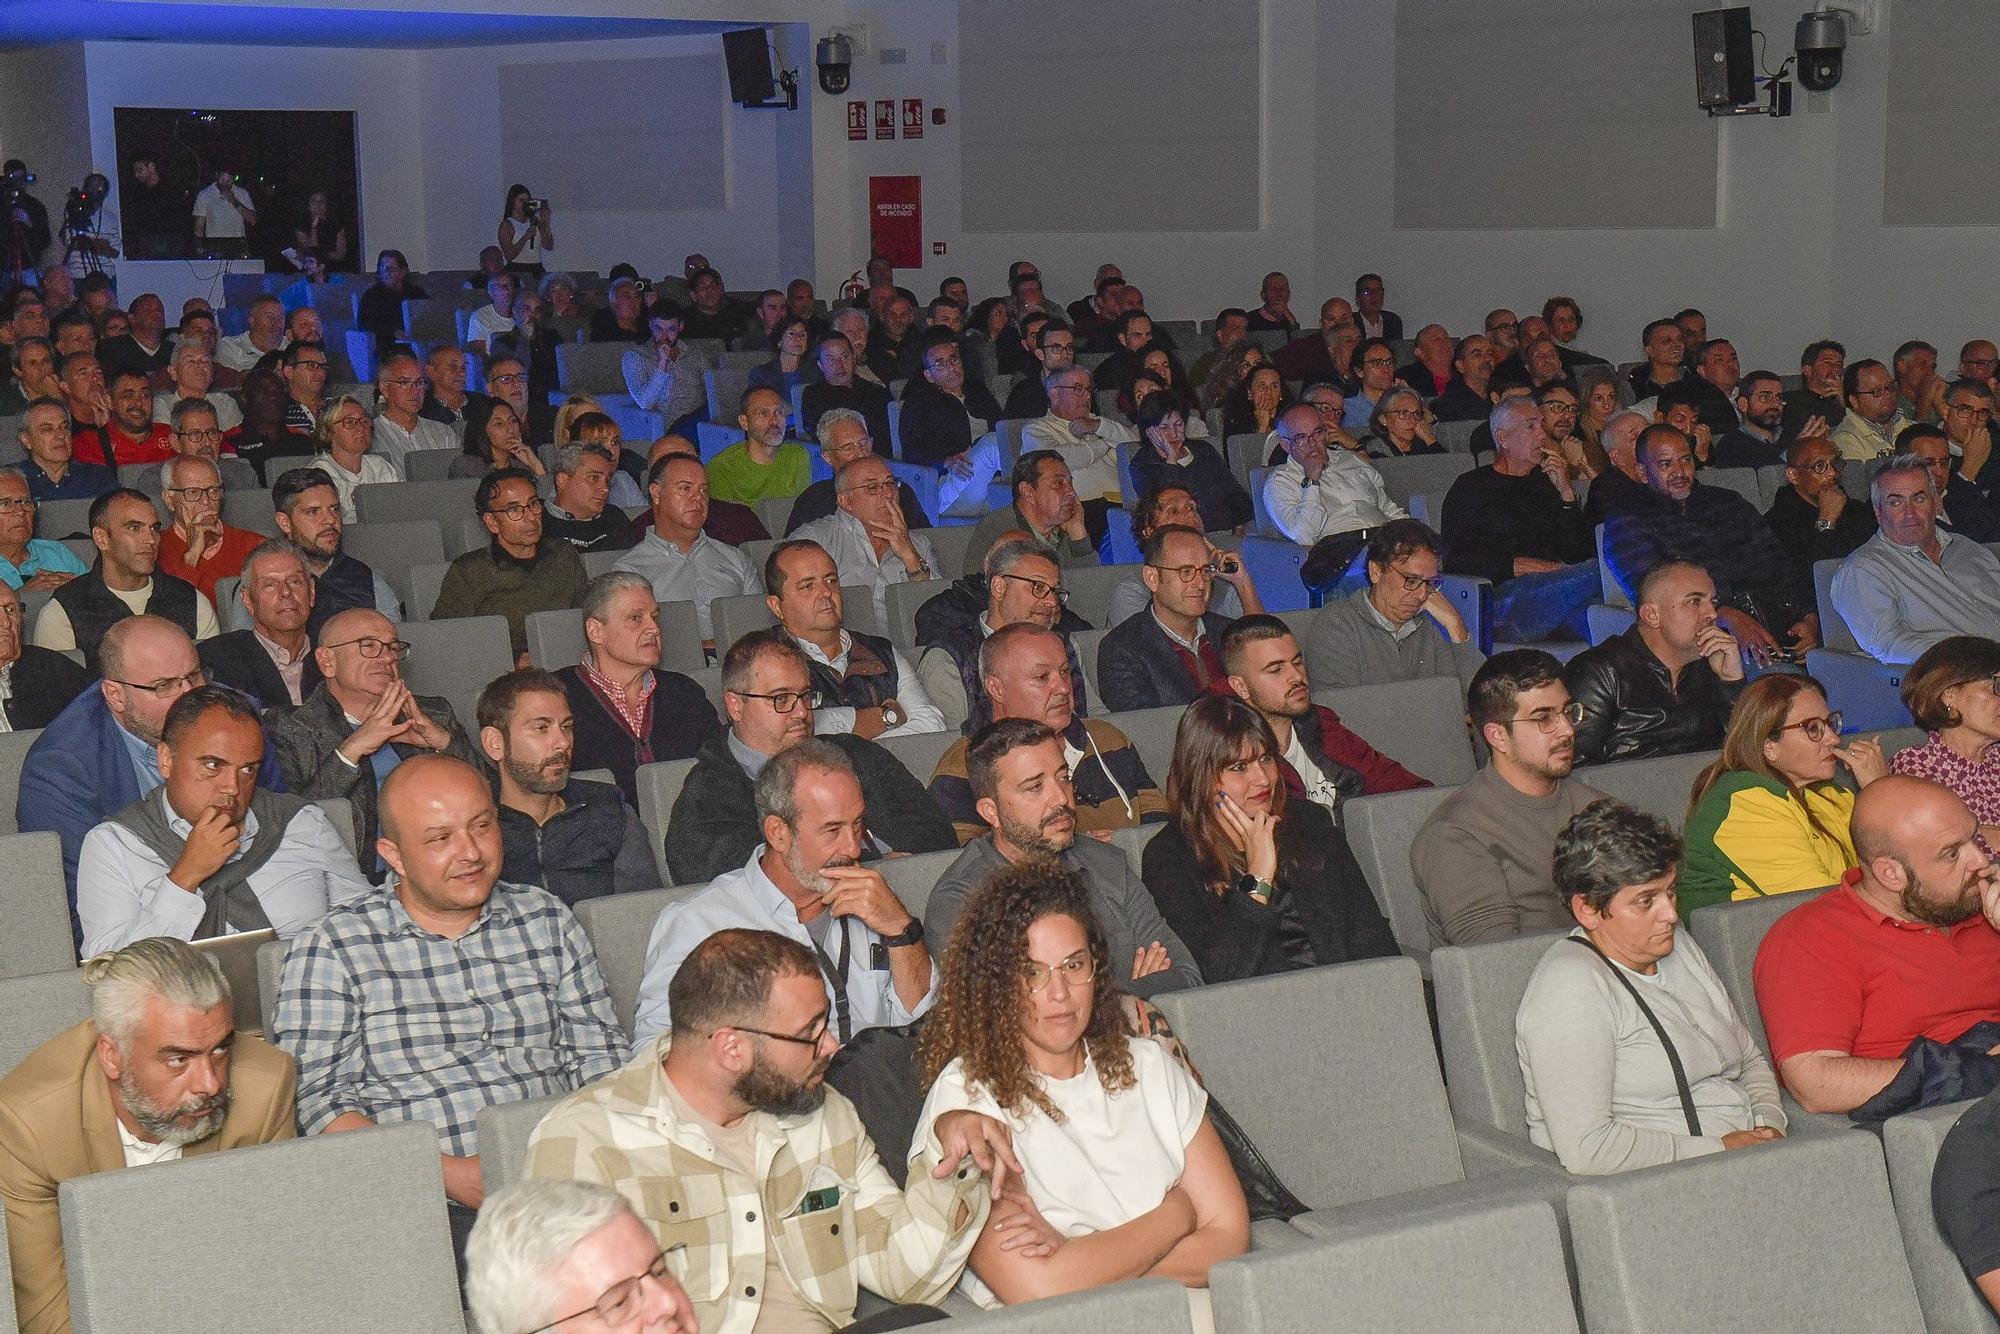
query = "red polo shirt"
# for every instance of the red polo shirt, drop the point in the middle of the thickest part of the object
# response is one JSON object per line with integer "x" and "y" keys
{"x": 225, "y": 561}
{"x": 1838, "y": 975}
{"x": 156, "y": 446}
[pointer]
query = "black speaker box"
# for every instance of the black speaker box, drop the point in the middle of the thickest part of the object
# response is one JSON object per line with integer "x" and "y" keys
{"x": 1723, "y": 75}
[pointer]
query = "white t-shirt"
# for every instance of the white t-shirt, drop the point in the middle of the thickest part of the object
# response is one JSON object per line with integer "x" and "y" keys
{"x": 220, "y": 219}
{"x": 1114, "y": 1157}
{"x": 483, "y": 323}
{"x": 138, "y": 1153}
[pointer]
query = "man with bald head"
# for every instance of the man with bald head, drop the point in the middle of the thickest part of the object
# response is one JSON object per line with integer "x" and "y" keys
{"x": 1310, "y": 357}
{"x": 373, "y": 1000}
{"x": 1906, "y": 946}
{"x": 1325, "y": 496}
{"x": 361, "y": 723}
{"x": 867, "y": 536}
{"x": 1429, "y": 372}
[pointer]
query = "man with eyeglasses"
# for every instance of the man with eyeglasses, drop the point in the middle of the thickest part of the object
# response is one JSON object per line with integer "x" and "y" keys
{"x": 680, "y": 560}
{"x": 1086, "y": 443}
{"x": 303, "y": 369}
{"x": 1754, "y": 442}
{"x": 27, "y": 561}
{"x": 843, "y": 436}
{"x": 361, "y": 722}
{"x": 1045, "y": 507}
{"x": 200, "y": 548}
{"x": 51, "y": 467}
{"x": 509, "y": 379}
{"x": 1968, "y": 423}
{"x": 400, "y": 383}
{"x": 769, "y": 697}
{"x": 1667, "y": 685}
{"x": 741, "y": 1079}
{"x": 1484, "y": 861}
{"x": 1812, "y": 516}
{"x": 519, "y": 572}
{"x": 1503, "y": 331}
{"x": 572, "y": 1247}
{"x": 866, "y": 685}
{"x": 1373, "y": 320}
{"x": 1374, "y": 366}
{"x": 1048, "y": 345}
{"x": 945, "y": 418}
{"x": 1979, "y": 362}
{"x": 1873, "y": 421}
{"x": 124, "y": 581}
{"x": 1320, "y": 496}
{"x": 1912, "y": 583}
{"x": 193, "y": 434}
{"x": 867, "y": 537}
{"x": 1018, "y": 582}
{"x": 1962, "y": 507}
{"x": 1170, "y": 653}
{"x": 1399, "y": 626}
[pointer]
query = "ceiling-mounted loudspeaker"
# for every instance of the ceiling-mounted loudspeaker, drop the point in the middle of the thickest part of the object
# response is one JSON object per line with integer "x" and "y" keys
{"x": 1724, "y": 74}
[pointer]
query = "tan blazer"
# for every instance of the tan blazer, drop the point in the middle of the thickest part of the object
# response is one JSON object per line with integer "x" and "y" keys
{"x": 56, "y": 1122}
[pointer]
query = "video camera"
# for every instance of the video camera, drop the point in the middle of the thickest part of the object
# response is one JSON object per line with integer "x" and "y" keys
{"x": 81, "y": 206}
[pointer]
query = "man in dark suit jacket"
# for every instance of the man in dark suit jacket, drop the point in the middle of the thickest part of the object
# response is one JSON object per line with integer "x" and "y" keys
{"x": 839, "y": 387}
{"x": 36, "y": 684}
{"x": 941, "y": 408}
{"x": 1374, "y": 322}
{"x": 273, "y": 661}
{"x": 1171, "y": 653}
{"x": 360, "y": 724}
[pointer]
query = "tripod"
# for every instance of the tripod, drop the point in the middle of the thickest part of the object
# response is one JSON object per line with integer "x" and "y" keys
{"x": 79, "y": 234}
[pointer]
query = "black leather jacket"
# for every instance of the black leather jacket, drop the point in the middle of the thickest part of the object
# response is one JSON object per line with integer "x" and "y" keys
{"x": 1631, "y": 711}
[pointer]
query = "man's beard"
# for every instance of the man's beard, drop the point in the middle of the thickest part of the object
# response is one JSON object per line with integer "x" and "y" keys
{"x": 161, "y": 1121}
{"x": 809, "y": 876}
{"x": 1032, "y": 840}
{"x": 1929, "y": 911}
{"x": 765, "y": 1090}
{"x": 544, "y": 779}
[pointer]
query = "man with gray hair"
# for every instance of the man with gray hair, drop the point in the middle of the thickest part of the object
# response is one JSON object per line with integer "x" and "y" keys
{"x": 158, "y": 1072}
{"x": 1085, "y": 441}
{"x": 1618, "y": 488}
{"x": 272, "y": 661}
{"x": 582, "y": 513}
{"x": 805, "y": 880}
{"x": 1325, "y": 496}
{"x": 851, "y": 322}
{"x": 845, "y": 435}
{"x": 200, "y": 548}
{"x": 867, "y": 537}
{"x": 547, "y": 1252}
{"x": 1914, "y": 583}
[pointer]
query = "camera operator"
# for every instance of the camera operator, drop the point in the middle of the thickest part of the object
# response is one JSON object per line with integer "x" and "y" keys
{"x": 90, "y": 230}
{"x": 24, "y": 225}
{"x": 223, "y": 216}
{"x": 525, "y": 232}
{"x": 153, "y": 213}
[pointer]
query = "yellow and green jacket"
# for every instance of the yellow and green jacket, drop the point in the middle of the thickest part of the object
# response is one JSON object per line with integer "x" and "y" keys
{"x": 1750, "y": 836}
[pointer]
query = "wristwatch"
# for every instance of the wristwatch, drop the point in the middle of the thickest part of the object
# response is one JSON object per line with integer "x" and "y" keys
{"x": 1260, "y": 890}
{"x": 893, "y": 715}
{"x": 913, "y": 934}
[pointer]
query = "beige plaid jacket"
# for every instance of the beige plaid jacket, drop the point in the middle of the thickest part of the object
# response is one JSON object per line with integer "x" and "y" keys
{"x": 621, "y": 1131}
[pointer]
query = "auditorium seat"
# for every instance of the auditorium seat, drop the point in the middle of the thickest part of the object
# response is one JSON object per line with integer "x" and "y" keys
{"x": 1419, "y": 723}
{"x": 1151, "y": 732}
{"x": 386, "y": 502}
{"x": 1490, "y": 1270}
{"x": 920, "y": 753}
{"x": 914, "y": 877}
{"x": 1405, "y": 477}
{"x": 1910, "y": 1145}
{"x": 34, "y": 903}
{"x": 1154, "y": 1305}
{"x": 250, "y": 509}
{"x": 504, "y": 1131}
{"x": 773, "y": 513}
{"x": 456, "y": 658}
{"x": 1380, "y": 830}
{"x": 1457, "y": 436}
{"x": 1796, "y": 1235}
{"x": 1090, "y": 588}
{"x": 1867, "y": 692}
{"x": 63, "y": 518}
{"x": 744, "y": 613}
{"x": 1246, "y": 451}
{"x": 392, "y": 548}
{"x": 430, "y": 465}
{"x": 726, "y": 387}
{"x": 34, "y": 1009}
{"x": 1085, "y": 643}
{"x": 222, "y": 1240}
{"x": 1479, "y": 990}
{"x": 619, "y": 925}
{"x": 270, "y": 972}
{"x": 1352, "y": 1043}
{"x": 14, "y": 747}
{"x": 426, "y": 582}
{"x": 658, "y": 786}
{"x": 1659, "y": 786}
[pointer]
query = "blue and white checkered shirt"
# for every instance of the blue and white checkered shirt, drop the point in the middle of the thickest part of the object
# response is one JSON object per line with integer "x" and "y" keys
{"x": 388, "y": 1020}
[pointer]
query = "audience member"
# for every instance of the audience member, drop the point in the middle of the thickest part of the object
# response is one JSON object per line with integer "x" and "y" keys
{"x": 398, "y": 430}
{"x": 1086, "y": 443}
{"x": 448, "y": 400}
{"x": 1020, "y": 581}
{"x": 1813, "y": 517}
{"x": 1519, "y": 523}
{"x": 744, "y": 1065}
{"x": 308, "y": 514}
{"x": 1046, "y": 507}
{"x": 302, "y": 367}
{"x": 129, "y": 434}
{"x": 265, "y": 335}
{"x": 200, "y": 549}
{"x": 1129, "y": 1165}
{"x": 1767, "y": 817}
{"x": 1912, "y": 583}
{"x": 1953, "y": 693}
{"x": 866, "y": 685}
{"x": 519, "y": 572}
{"x": 839, "y": 386}
{"x": 1171, "y": 654}
{"x": 1873, "y": 421}
{"x": 1318, "y": 495}
{"x": 1680, "y": 518}
{"x": 580, "y": 512}
{"x": 1962, "y": 507}
{"x": 867, "y": 537}
{"x": 210, "y": 853}
{"x": 192, "y": 375}
{"x": 1019, "y": 772}
{"x": 1400, "y": 626}
{"x": 1616, "y": 1081}
{"x": 1232, "y": 591}
{"x": 543, "y": 1247}
{"x": 943, "y": 425}
{"x": 157, "y": 1073}
{"x": 372, "y": 999}
{"x": 1258, "y": 400}
{"x": 1025, "y": 671}
{"x": 50, "y": 466}
{"x": 32, "y": 374}
{"x": 663, "y": 374}
{"x": 36, "y": 684}
{"x": 1275, "y": 312}
{"x": 710, "y": 312}
{"x": 361, "y": 724}
{"x": 122, "y": 582}
{"x": 1665, "y": 349}
{"x": 1621, "y": 487}
{"x": 769, "y": 697}
{"x": 1823, "y": 365}
{"x": 843, "y": 436}
{"x": 570, "y": 836}
{"x": 1717, "y": 373}
{"x": 621, "y": 320}
{"x": 1256, "y": 874}
{"x": 1468, "y": 394}
{"x": 679, "y": 560}
{"x": 1903, "y": 947}
{"x": 764, "y": 465}
{"x": 1314, "y": 356}
{"x": 265, "y": 442}
{"x": 1232, "y": 327}
{"x": 272, "y": 661}
{"x": 1369, "y": 316}
{"x": 1483, "y": 860}
{"x": 27, "y": 561}
{"x": 495, "y": 317}
{"x": 1919, "y": 388}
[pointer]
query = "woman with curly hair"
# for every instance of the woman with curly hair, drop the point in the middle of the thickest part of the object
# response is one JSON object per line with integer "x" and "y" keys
{"x": 1120, "y": 1163}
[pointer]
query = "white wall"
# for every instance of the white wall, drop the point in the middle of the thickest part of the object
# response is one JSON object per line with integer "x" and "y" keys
{"x": 43, "y": 120}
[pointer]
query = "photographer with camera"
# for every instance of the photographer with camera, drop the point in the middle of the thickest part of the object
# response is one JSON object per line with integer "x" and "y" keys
{"x": 24, "y": 226}
{"x": 90, "y": 229}
{"x": 525, "y": 231}
{"x": 223, "y": 216}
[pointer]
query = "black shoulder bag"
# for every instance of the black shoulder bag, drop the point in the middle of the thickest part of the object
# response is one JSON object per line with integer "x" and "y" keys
{"x": 1659, "y": 1031}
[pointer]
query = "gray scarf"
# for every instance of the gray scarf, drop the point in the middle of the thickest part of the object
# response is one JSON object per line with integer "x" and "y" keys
{"x": 227, "y": 897}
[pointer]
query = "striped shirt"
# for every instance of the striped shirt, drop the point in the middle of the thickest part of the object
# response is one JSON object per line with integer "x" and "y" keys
{"x": 388, "y": 1020}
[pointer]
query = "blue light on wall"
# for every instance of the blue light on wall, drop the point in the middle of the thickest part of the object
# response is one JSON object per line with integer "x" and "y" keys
{"x": 40, "y": 22}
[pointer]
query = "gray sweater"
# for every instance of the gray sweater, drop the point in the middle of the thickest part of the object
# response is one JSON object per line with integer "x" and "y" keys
{"x": 1484, "y": 861}
{"x": 1600, "y": 1093}
{"x": 1348, "y": 646}
{"x": 1125, "y": 909}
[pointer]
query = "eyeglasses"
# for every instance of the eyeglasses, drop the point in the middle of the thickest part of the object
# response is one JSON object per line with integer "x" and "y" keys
{"x": 1879, "y": 389}
{"x": 1816, "y": 729}
{"x": 1188, "y": 573}
{"x": 511, "y": 378}
{"x": 884, "y": 487}
{"x": 407, "y": 383}
{"x": 1069, "y": 389}
{"x": 1076, "y": 969}
{"x": 618, "y": 1304}
{"x": 1559, "y": 409}
{"x": 1545, "y": 719}
{"x": 1378, "y": 361}
{"x": 810, "y": 1038}
{"x": 350, "y": 420}
{"x": 9, "y": 504}
{"x": 371, "y": 647}
{"x": 198, "y": 492}
{"x": 519, "y": 510}
{"x": 169, "y": 685}
{"x": 783, "y": 701}
{"x": 1402, "y": 412}
{"x": 1504, "y": 324}
{"x": 1041, "y": 590}
{"x": 1412, "y": 582}
{"x": 202, "y": 437}
{"x": 303, "y": 365}
{"x": 1821, "y": 467}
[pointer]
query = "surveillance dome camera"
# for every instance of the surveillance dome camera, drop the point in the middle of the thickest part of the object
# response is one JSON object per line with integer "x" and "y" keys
{"x": 1821, "y": 42}
{"x": 836, "y": 64}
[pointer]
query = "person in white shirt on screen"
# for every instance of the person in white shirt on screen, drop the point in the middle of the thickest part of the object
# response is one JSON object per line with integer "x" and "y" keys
{"x": 223, "y": 215}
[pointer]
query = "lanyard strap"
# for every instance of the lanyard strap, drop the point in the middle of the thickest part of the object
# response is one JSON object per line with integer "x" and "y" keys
{"x": 836, "y": 975}
{"x": 1659, "y": 1031}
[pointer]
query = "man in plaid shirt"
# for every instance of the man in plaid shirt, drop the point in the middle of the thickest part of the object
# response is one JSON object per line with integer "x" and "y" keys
{"x": 738, "y": 1081}
{"x": 445, "y": 991}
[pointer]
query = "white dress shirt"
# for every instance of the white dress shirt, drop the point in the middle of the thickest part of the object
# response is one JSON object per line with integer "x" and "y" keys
{"x": 1898, "y": 602}
{"x": 748, "y": 899}
{"x": 704, "y": 572}
{"x": 845, "y": 538}
{"x": 919, "y": 714}
{"x": 227, "y": 415}
{"x": 1092, "y": 457}
{"x": 123, "y": 893}
{"x": 1348, "y": 495}
{"x": 238, "y": 353}
{"x": 393, "y": 443}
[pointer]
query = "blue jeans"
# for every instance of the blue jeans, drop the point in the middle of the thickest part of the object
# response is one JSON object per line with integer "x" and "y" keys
{"x": 1530, "y": 608}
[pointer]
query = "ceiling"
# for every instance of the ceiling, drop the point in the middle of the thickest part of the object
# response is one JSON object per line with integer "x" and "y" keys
{"x": 40, "y": 22}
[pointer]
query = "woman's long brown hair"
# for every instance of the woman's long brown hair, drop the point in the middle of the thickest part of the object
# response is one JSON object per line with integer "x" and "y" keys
{"x": 1215, "y": 732}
